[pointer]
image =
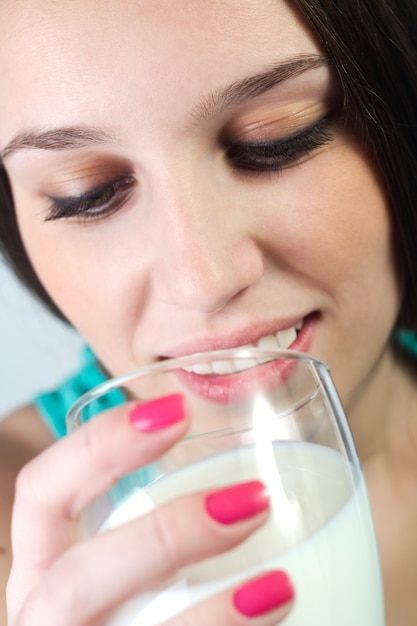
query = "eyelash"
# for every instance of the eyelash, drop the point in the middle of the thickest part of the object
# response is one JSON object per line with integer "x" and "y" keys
{"x": 95, "y": 204}
{"x": 278, "y": 154}
{"x": 261, "y": 156}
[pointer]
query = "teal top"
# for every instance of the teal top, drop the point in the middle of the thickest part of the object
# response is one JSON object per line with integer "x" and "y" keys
{"x": 53, "y": 405}
{"x": 408, "y": 340}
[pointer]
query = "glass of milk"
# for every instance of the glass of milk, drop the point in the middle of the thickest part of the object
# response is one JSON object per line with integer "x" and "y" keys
{"x": 272, "y": 415}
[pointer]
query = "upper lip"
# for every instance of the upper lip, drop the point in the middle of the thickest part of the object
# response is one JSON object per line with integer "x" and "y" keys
{"x": 235, "y": 339}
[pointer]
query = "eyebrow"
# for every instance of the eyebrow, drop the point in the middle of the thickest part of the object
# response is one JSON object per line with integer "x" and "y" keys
{"x": 64, "y": 138}
{"x": 253, "y": 86}
{"x": 72, "y": 137}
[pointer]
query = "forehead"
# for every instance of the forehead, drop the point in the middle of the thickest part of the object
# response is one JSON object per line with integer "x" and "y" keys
{"x": 58, "y": 58}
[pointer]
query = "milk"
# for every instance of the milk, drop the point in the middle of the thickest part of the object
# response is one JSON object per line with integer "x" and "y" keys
{"x": 319, "y": 531}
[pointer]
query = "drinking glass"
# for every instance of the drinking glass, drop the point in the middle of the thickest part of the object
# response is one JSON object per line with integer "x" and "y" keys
{"x": 269, "y": 415}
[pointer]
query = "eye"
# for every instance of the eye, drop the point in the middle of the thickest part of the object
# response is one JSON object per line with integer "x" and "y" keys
{"x": 278, "y": 154}
{"x": 95, "y": 204}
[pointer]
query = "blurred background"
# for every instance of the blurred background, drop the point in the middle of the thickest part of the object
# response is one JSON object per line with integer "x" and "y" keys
{"x": 36, "y": 350}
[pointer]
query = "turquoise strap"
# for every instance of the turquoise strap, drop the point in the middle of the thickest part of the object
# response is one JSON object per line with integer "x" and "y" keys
{"x": 53, "y": 405}
{"x": 53, "y": 408}
{"x": 408, "y": 340}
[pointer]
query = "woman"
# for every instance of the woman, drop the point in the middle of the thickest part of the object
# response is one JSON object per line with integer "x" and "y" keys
{"x": 192, "y": 175}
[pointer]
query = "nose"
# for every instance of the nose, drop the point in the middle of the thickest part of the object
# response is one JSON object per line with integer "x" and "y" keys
{"x": 207, "y": 255}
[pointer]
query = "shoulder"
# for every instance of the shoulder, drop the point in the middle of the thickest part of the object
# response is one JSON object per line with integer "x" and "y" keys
{"x": 23, "y": 435}
{"x": 25, "y": 428}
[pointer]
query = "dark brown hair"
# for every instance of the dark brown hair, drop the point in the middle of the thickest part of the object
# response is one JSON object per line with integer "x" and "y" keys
{"x": 373, "y": 47}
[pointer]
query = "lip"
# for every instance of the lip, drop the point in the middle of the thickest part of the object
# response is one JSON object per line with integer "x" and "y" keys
{"x": 233, "y": 388}
{"x": 250, "y": 335}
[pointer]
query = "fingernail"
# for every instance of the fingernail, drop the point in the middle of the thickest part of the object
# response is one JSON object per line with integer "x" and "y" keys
{"x": 266, "y": 593}
{"x": 158, "y": 414}
{"x": 238, "y": 502}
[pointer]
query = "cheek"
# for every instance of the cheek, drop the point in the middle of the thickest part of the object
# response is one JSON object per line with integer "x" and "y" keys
{"x": 334, "y": 221}
{"x": 96, "y": 280}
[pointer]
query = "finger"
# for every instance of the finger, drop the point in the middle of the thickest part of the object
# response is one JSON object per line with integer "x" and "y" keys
{"x": 263, "y": 601}
{"x": 53, "y": 489}
{"x": 82, "y": 585}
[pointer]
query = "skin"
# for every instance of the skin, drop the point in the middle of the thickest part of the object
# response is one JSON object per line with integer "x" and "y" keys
{"x": 203, "y": 253}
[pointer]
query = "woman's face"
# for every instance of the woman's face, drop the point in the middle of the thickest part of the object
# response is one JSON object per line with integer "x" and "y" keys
{"x": 183, "y": 181}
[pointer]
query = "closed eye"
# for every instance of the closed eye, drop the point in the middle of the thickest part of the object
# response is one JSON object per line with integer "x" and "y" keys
{"x": 275, "y": 155}
{"x": 96, "y": 203}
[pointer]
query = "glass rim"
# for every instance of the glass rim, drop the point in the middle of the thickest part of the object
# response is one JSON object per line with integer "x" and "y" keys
{"x": 173, "y": 363}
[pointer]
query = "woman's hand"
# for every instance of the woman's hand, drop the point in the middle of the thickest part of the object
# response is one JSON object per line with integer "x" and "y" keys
{"x": 57, "y": 579}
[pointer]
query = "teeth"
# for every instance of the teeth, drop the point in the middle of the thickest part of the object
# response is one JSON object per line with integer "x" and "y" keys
{"x": 287, "y": 337}
{"x": 244, "y": 364}
{"x": 224, "y": 367}
{"x": 282, "y": 339}
{"x": 270, "y": 342}
{"x": 201, "y": 368}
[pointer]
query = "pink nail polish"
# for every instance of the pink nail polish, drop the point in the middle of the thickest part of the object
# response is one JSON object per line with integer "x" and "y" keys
{"x": 264, "y": 594}
{"x": 238, "y": 502}
{"x": 158, "y": 414}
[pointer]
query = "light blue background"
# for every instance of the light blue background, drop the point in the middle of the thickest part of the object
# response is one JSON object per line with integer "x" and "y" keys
{"x": 36, "y": 350}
